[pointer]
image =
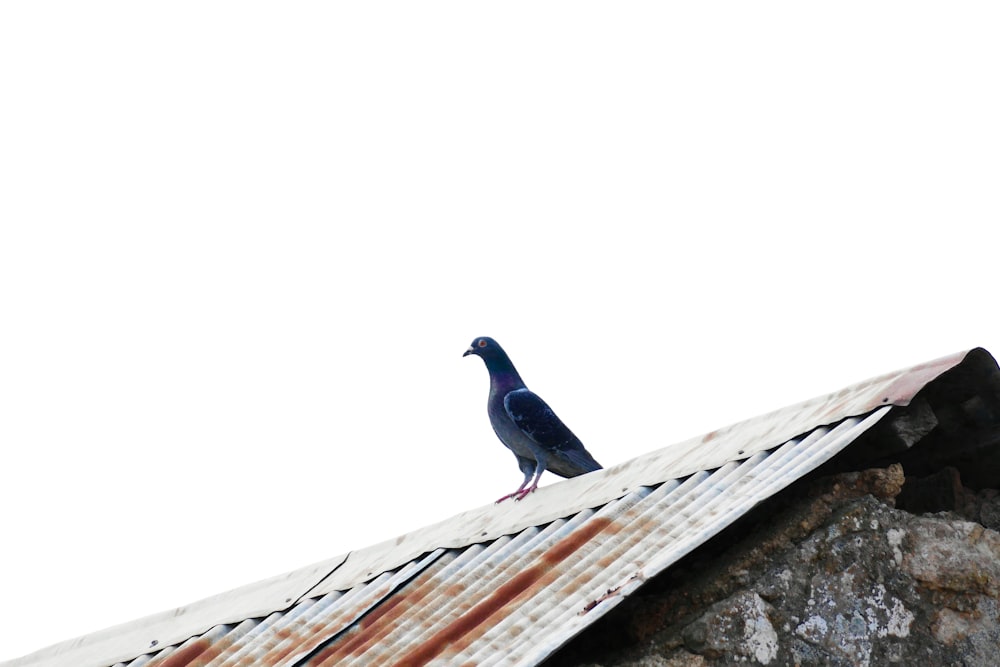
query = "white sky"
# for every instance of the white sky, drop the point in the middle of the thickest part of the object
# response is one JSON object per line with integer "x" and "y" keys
{"x": 245, "y": 244}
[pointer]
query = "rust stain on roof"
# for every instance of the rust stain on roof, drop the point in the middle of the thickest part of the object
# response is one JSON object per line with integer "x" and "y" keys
{"x": 186, "y": 655}
{"x": 504, "y": 595}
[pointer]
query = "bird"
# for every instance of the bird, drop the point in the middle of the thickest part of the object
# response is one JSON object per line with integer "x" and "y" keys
{"x": 527, "y": 425}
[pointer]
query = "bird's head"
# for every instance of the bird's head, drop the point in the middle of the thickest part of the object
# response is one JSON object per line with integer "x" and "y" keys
{"x": 496, "y": 360}
{"x": 485, "y": 347}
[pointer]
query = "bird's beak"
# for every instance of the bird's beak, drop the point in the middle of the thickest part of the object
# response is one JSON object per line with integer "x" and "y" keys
{"x": 468, "y": 352}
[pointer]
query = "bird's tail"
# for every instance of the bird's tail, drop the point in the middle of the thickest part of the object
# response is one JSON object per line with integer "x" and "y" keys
{"x": 574, "y": 462}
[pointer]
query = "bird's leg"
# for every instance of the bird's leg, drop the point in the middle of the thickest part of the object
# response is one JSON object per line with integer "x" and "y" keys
{"x": 540, "y": 465}
{"x": 528, "y": 468}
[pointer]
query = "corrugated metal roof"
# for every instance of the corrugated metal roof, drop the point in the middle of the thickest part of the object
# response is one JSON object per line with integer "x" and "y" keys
{"x": 541, "y": 585}
{"x": 125, "y": 641}
{"x": 509, "y": 584}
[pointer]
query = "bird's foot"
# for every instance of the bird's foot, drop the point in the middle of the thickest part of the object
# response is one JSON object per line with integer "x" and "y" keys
{"x": 516, "y": 495}
{"x": 521, "y": 495}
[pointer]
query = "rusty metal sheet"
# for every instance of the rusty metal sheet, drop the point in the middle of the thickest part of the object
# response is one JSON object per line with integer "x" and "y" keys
{"x": 152, "y": 633}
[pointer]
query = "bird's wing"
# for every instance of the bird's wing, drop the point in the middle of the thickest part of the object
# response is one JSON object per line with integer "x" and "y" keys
{"x": 537, "y": 421}
{"x": 535, "y": 418}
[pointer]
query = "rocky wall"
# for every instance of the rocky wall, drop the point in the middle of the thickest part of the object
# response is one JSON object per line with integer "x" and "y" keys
{"x": 832, "y": 574}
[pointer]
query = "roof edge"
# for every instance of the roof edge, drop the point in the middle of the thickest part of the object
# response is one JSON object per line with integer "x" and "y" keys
{"x": 150, "y": 634}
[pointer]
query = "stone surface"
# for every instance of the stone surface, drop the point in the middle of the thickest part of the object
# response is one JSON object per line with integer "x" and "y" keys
{"x": 835, "y": 576}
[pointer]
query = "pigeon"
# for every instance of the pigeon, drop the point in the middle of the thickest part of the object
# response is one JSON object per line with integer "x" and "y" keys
{"x": 527, "y": 425}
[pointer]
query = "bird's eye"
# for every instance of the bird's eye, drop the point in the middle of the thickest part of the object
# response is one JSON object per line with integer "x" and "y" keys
{"x": 482, "y": 343}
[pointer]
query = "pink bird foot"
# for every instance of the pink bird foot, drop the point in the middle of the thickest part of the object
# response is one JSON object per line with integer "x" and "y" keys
{"x": 521, "y": 495}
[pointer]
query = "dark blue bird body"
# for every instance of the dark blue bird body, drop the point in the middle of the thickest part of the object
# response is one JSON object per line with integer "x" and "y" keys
{"x": 527, "y": 425}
